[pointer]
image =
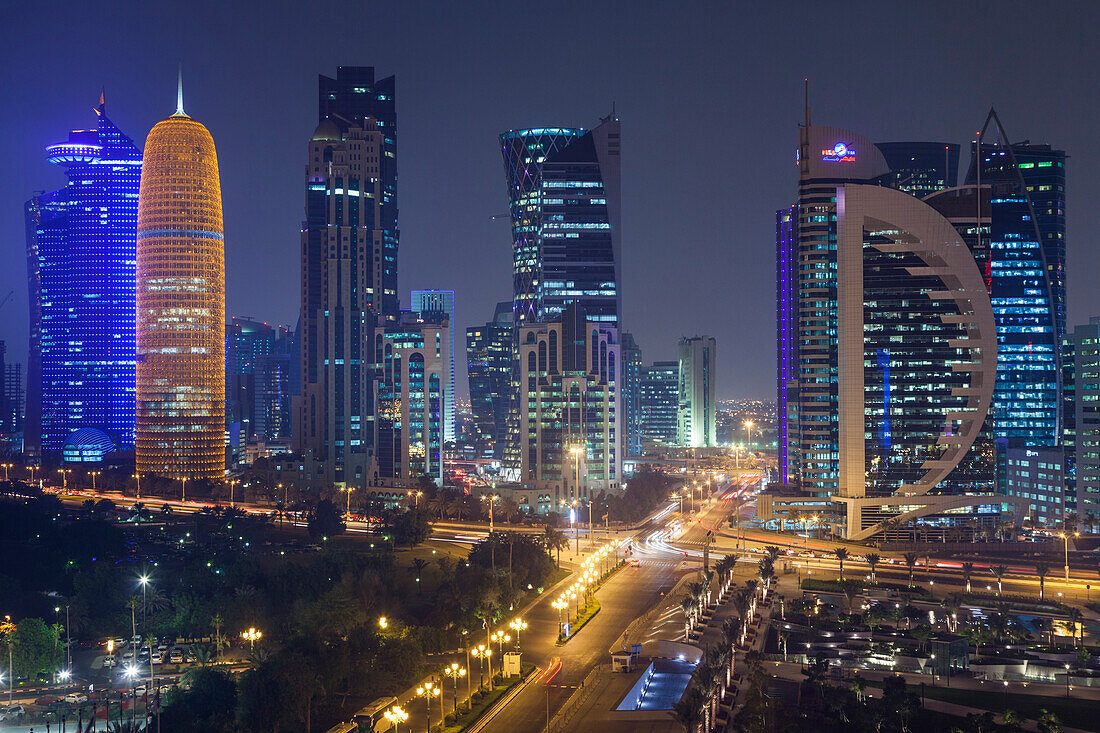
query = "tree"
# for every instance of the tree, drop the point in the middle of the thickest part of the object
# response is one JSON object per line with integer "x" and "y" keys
{"x": 1074, "y": 617}
{"x": 911, "y": 562}
{"x": 418, "y": 565}
{"x": 688, "y": 711}
{"x": 1049, "y": 722}
{"x": 968, "y": 570}
{"x": 325, "y": 520}
{"x": 999, "y": 572}
{"x": 841, "y": 555}
{"x": 33, "y": 649}
{"x": 873, "y": 559}
{"x": 1042, "y": 570}
{"x": 556, "y": 541}
{"x": 411, "y": 527}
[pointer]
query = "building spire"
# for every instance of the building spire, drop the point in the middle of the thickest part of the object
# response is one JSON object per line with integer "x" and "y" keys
{"x": 102, "y": 108}
{"x": 179, "y": 94}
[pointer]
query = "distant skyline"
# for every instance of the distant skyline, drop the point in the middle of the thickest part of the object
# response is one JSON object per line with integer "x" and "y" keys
{"x": 709, "y": 96}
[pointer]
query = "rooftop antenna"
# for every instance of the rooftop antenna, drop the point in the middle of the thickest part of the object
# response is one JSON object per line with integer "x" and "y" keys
{"x": 806, "y": 99}
{"x": 179, "y": 93}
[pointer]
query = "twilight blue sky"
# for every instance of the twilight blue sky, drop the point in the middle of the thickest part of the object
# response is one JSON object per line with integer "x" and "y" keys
{"x": 709, "y": 95}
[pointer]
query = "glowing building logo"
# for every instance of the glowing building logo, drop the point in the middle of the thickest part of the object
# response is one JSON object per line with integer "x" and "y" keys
{"x": 839, "y": 153}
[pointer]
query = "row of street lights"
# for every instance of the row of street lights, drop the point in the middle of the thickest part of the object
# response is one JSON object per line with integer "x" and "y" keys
{"x": 583, "y": 586}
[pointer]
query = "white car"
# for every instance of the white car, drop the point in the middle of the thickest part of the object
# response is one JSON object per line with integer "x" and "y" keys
{"x": 158, "y": 657}
{"x": 15, "y": 712}
{"x": 76, "y": 698}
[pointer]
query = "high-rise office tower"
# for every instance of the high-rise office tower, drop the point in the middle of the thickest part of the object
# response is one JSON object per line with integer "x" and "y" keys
{"x": 250, "y": 346}
{"x": 411, "y": 388}
{"x": 349, "y": 270}
{"x": 11, "y": 402}
{"x": 432, "y": 304}
{"x": 631, "y": 381}
{"x": 489, "y": 368}
{"x": 1027, "y": 276}
{"x": 896, "y": 346}
{"x": 180, "y": 304}
{"x": 81, "y": 251}
{"x": 920, "y": 168}
{"x": 569, "y": 420}
{"x": 696, "y": 414}
{"x": 1082, "y": 459}
{"x": 659, "y": 401}
{"x": 565, "y": 205}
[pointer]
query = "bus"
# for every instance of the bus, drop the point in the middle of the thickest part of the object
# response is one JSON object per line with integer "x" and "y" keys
{"x": 372, "y": 717}
{"x": 344, "y": 728}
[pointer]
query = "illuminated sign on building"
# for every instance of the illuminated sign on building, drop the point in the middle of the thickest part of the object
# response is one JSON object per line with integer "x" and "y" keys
{"x": 839, "y": 153}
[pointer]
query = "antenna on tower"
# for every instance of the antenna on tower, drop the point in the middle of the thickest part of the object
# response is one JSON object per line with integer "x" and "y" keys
{"x": 179, "y": 93}
{"x": 806, "y": 99}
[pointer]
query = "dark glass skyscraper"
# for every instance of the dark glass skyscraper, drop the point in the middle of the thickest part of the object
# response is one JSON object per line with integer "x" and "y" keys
{"x": 82, "y": 252}
{"x": 659, "y": 400}
{"x": 631, "y": 378}
{"x": 564, "y": 201}
{"x": 921, "y": 168}
{"x": 489, "y": 368}
{"x": 349, "y": 269}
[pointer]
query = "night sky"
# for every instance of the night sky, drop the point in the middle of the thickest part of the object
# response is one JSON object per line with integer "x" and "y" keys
{"x": 709, "y": 95}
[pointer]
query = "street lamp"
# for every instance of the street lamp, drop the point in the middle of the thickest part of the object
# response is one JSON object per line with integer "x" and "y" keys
{"x": 137, "y": 477}
{"x": 518, "y": 625}
{"x": 93, "y": 474}
{"x": 500, "y": 637}
{"x": 383, "y": 622}
{"x": 481, "y": 652}
{"x": 558, "y": 604}
{"x": 455, "y": 672}
{"x": 64, "y": 477}
{"x": 6, "y": 467}
{"x": 492, "y": 499}
{"x": 183, "y": 481}
{"x": 428, "y": 690}
{"x": 396, "y": 716}
{"x": 1065, "y": 542}
{"x": 748, "y": 428}
{"x": 232, "y": 484}
{"x": 143, "y": 580}
{"x": 348, "y": 490}
{"x": 252, "y": 636}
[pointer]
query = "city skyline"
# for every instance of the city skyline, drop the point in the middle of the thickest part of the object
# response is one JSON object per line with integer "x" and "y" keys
{"x": 450, "y": 239}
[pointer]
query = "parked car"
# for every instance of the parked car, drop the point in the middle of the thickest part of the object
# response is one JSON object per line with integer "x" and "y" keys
{"x": 109, "y": 660}
{"x": 176, "y": 656}
{"x": 158, "y": 657}
{"x": 46, "y": 701}
{"x": 15, "y": 712}
{"x": 76, "y": 698}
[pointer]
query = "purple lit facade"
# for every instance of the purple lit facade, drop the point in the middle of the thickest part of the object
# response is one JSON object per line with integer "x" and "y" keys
{"x": 786, "y": 305}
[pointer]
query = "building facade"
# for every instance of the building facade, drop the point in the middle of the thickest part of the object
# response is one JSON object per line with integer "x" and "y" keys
{"x": 565, "y": 205}
{"x": 1036, "y": 477}
{"x": 920, "y": 168}
{"x": 349, "y": 248}
{"x": 1082, "y": 446}
{"x": 415, "y": 357}
{"x": 569, "y": 421}
{"x": 433, "y": 305}
{"x": 631, "y": 395}
{"x": 659, "y": 401}
{"x": 82, "y": 251}
{"x": 180, "y": 304}
{"x": 696, "y": 416}
{"x": 489, "y": 369}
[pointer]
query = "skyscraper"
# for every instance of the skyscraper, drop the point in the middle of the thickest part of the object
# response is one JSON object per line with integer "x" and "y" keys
{"x": 1027, "y": 276}
{"x": 896, "y": 347}
{"x": 415, "y": 366}
{"x": 81, "y": 251}
{"x": 349, "y": 271}
{"x": 697, "y": 406}
{"x": 256, "y": 360}
{"x": 180, "y": 304}
{"x": 631, "y": 385}
{"x": 659, "y": 401}
{"x": 432, "y": 305}
{"x": 489, "y": 369}
{"x": 920, "y": 168}
{"x": 565, "y": 206}
{"x": 569, "y": 419}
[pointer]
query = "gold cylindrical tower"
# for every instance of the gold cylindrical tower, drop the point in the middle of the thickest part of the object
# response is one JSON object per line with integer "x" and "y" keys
{"x": 180, "y": 304}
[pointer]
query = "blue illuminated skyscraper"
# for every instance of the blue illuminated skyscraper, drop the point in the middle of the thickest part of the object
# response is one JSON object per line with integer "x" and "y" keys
{"x": 82, "y": 253}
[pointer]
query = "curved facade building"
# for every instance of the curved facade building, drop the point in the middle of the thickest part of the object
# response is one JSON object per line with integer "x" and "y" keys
{"x": 180, "y": 304}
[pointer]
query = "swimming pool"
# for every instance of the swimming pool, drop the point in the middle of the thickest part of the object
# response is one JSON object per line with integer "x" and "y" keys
{"x": 660, "y": 687}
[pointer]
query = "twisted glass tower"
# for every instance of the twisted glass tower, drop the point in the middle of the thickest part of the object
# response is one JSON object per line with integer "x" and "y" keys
{"x": 180, "y": 304}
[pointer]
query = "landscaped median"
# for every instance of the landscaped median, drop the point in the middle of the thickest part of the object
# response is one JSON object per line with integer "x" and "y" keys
{"x": 483, "y": 701}
{"x": 594, "y": 572}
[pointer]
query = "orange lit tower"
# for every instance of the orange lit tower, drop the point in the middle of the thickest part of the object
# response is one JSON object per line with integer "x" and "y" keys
{"x": 180, "y": 304}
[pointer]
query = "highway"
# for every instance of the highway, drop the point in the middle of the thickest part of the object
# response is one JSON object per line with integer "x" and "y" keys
{"x": 628, "y": 594}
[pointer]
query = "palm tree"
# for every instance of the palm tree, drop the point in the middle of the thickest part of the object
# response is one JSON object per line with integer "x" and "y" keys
{"x": 556, "y": 541}
{"x": 203, "y": 655}
{"x": 999, "y": 572}
{"x": 687, "y": 605}
{"x": 841, "y": 555}
{"x": 1042, "y": 570}
{"x": 911, "y": 562}
{"x": 438, "y": 504}
{"x": 418, "y": 565}
{"x": 688, "y": 712}
{"x": 968, "y": 570}
{"x": 1074, "y": 616}
{"x": 216, "y": 622}
{"x": 873, "y": 559}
